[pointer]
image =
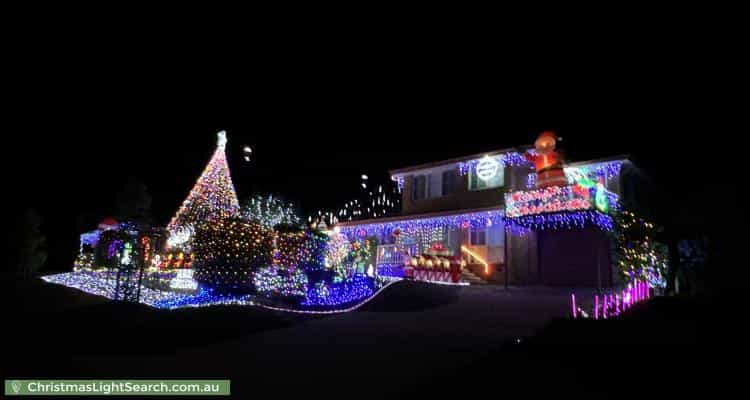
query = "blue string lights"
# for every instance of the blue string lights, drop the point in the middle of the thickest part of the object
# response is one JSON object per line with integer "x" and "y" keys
{"x": 512, "y": 159}
{"x": 345, "y": 292}
{"x": 474, "y": 220}
{"x": 280, "y": 282}
{"x": 561, "y": 220}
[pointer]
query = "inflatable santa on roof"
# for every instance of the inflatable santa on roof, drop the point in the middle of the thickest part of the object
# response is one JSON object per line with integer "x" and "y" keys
{"x": 547, "y": 161}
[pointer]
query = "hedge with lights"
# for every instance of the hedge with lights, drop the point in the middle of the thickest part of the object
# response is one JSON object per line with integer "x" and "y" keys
{"x": 639, "y": 256}
{"x": 228, "y": 252}
{"x": 301, "y": 249}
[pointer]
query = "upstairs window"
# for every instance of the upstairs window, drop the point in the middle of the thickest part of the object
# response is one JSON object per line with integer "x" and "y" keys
{"x": 495, "y": 180}
{"x": 419, "y": 187}
{"x": 450, "y": 180}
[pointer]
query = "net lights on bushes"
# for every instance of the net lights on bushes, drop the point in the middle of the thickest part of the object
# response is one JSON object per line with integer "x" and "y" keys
{"x": 278, "y": 281}
{"x": 227, "y": 252}
{"x": 347, "y": 291}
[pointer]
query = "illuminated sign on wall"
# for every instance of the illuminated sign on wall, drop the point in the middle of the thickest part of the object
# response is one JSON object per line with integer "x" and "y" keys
{"x": 554, "y": 199}
{"x": 487, "y": 168}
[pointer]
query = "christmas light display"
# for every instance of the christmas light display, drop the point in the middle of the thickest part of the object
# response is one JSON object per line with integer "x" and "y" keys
{"x": 180, "y": 238}
{"x": 90, "y": 239}
{"x": 84, "y": 261}
{"x": 359, "y": 254}
{"x": 473, "y": 220}
{"x": 175, "y": 259}
{"x": 531, "y": 180}
{"x": 588, "y": 175}
{"x": 391, "y": 270}
{"x": 399, "y": 179}
{"x": 269, "y": 211}
{"x": 610, "y": 305}
{"x": 552, "y": 199}
{"x": 562, "y": 220}
{"x": 97, "y": 284}
{"x": 512, "y": 159}
{"x": 487, "y": 168}
{"x": 228, "y": 252}
{"x": 146, "y": 246}
{"x": 377, "y": 203}
{"x": 639, "y": 257}
{"x": 184, "y": 280}
{"x": 333, "y": 294}
{"x": 337, "y": 253}
{"x": 303, "y": 249}
{"x": 324, "y": 298}
{"x": 205, "y": 298}
{"x": 276, "y": 282}
{"x": 213, "y": 197}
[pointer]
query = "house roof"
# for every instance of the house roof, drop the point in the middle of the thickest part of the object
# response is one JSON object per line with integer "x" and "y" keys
{"x": 520, "y": 149}
{"x": 434, "y": 164}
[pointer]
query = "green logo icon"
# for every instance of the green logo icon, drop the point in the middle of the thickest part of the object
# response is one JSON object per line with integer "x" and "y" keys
{"x": 16, "y": 386}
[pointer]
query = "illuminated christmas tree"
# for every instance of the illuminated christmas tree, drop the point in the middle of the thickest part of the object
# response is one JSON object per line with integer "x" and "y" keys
{"x": 213, "y": 197}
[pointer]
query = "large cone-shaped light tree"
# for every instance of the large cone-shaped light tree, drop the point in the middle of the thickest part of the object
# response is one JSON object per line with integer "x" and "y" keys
{"x": 212, "y": 198}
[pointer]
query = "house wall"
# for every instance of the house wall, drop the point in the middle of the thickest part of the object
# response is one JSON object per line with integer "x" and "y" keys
{"x": 463, "y": 198}
{"x": 523, "y": 265}
{"x": 577, "y": 257}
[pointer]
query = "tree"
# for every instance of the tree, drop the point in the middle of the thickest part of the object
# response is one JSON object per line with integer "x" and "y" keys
{"x": 133, "y": 200}
{"x": 213, "y": 197}
{"x": 28, "y": 250}
{"x": 269, "y": 211}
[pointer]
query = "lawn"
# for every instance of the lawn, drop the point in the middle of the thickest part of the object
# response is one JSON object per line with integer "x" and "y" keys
{"x": 413, "y": 337}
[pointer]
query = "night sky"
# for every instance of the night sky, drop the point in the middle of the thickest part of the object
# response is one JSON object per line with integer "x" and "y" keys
{"x": 82, "y": 132}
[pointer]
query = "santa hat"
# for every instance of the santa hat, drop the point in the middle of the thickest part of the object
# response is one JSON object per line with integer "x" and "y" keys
{"x": 549, "y": 134}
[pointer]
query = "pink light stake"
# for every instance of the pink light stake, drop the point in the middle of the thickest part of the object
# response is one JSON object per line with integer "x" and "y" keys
{"x": 618, "y": 310}
{"x": 573, "y": 304}
{"x": 604, "y": 307}
{"x": 596, "y": 306}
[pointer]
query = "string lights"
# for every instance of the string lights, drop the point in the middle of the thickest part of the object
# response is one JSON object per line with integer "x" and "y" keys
{"x": 512, "y": 159}
{"x": 561, "y": 220}
{"x": 639, "y": 256}
{"x": 347, "y": 291}
{"x": 473, "y": 220}
{"x": 275, "y": 282}
{"x": 213, "y": 197}
{"x": 269, "y": 211}
{"x": 227, "y": 252}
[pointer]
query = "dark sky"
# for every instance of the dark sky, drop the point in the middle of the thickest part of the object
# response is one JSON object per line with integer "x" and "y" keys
{"x": 81, "y": 124}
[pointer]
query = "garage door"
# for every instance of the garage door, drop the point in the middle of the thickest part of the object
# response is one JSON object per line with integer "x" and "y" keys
{"x": 577, "y": 257}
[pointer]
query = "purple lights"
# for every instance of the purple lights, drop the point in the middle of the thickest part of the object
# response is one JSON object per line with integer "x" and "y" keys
{"x": 615, "y": 303}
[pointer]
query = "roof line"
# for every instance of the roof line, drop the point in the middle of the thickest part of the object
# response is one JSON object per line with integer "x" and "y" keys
{"x": 619, "y": 157}
{"x": 455, "y": 160}
{"x": 410, "y": 217}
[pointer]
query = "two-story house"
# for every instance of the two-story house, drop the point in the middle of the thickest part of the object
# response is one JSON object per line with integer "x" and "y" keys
{"x": 486, "y": 207}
